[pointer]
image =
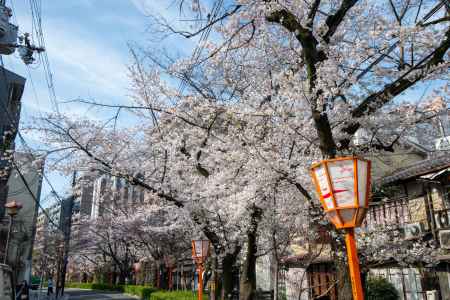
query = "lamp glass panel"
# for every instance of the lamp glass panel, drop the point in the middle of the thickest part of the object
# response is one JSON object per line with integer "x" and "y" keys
{"x": 342, "y": 178}
{"x": 347, "y": 214}
{"x": 362, "y": 182}
{"x": 198, "y": 248}
{"x": 324, "y": 187}
{"x": 334, "y": 218}
{"x": 11, "y": 211}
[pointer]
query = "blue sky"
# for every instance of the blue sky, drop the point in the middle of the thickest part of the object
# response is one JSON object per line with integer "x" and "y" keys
{"x": 86, "y": 43}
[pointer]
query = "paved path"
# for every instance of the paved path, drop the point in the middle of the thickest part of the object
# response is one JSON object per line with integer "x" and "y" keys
{"x": 34, "y": 295}
{"x": 78, "y": 294}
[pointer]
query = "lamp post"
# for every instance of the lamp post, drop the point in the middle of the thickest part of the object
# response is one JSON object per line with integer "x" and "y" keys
{"x": 200, "y": 251}
{"x": 343, "y": 186}
{"x": 12, "y": 209}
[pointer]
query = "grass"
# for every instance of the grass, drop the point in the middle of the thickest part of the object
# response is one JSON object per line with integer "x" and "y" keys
{"x": 176, "y": 295}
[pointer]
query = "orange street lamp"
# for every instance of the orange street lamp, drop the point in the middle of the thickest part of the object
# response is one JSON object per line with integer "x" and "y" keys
{"x": 343, "y": 186}
{"x": 200, "y": 251}
{"x": 12, "y": 209}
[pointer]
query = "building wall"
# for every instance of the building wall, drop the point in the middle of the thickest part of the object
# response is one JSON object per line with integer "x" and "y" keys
{"x": 407, "y": 281}
{"x": 296, "y": 282}
{"x": 20, "y": 253}
{"x": 11, "y": 89}
{"x": 110, "y": 193}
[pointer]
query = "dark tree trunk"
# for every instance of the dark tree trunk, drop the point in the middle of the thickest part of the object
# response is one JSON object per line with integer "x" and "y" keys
{"x": 248, "y": 275}
{"x": 122, "y": 276}
{"x": 344, "y": 284}
{"x": 228, "y": 263}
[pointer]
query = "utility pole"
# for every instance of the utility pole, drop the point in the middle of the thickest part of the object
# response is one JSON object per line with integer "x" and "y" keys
{"x": 65, "y": 226}
{"x": 67, "y": 231}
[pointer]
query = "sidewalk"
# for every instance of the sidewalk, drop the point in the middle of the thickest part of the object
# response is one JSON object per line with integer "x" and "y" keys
{"x": 34, "y": 295}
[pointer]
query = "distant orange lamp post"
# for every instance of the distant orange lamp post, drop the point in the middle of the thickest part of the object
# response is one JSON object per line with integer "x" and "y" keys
{"x": 200, "y": 251}
{"x": 343, "y": 186}
{"x": 12, "y": 209}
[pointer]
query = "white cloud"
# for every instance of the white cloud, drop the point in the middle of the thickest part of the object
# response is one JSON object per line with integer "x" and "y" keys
{"x": 87, "y": 61}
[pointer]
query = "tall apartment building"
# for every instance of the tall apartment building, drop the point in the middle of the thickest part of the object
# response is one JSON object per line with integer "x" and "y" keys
{"x": 111, "y": 193}
{"x": 97, "y": 195}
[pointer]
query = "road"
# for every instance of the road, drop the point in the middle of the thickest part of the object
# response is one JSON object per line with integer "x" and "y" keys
{"x": 78, "y": 294}
{"x": 75, "y": 294}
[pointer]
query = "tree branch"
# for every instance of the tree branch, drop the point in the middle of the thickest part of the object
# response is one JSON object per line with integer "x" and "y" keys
{"x": 335, "y": 20}
{"x": 377, "y": 100}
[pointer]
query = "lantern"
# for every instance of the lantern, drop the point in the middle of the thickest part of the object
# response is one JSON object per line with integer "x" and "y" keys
{"x": 13, "y": 207}
{"x": 200, "y": 250}
{"x": 343, "y": 186}
{"x": 137, "y": 267}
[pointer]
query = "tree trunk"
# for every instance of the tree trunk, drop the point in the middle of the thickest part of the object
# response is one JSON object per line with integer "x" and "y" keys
{"x": 344, "y": 284}
{"x": 122, "y": 277}
{"x": 227, "y": 275}
{"x": 275, "y": 277}
{"x": 248, "y": 276}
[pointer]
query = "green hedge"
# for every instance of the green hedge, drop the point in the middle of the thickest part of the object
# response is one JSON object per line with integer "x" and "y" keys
{"x": 143, "y": 292}
{"x": 178, "y": 295}
{"x": 379, "y": 288}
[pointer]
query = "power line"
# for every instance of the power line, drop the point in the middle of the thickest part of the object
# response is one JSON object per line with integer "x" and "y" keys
{"x": 36, "y": 16}
{"x": 19, "y": 134}
{"x": 201, "y": 45}
{"x": 36, "y": 200}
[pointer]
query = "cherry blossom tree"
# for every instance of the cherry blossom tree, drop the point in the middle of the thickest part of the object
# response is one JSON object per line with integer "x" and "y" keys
{"x": 283, "y": 83}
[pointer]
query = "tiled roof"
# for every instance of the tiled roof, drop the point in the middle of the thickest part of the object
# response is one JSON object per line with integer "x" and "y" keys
{"x": 424, "y": 167}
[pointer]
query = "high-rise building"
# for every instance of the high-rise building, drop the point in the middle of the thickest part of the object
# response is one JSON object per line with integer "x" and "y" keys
{"x": 111, "y": 193}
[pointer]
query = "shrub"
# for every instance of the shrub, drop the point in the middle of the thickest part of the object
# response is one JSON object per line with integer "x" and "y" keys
{"x": 79, "y": 285}
{"x": 35, "y": 280}
{"x": 379, "y": 288}
{"x": 177, "y": 295}
{"x": 144, "y": 292}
